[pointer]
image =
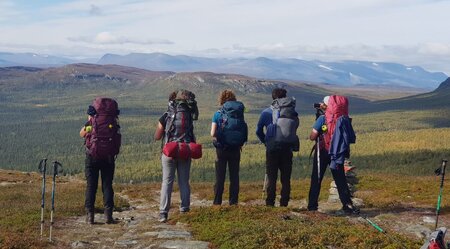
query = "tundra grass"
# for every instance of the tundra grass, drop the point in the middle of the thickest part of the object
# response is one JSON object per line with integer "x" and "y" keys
{"x": 249, "y": 225}
{"x": 20, "y": 205}
{"x": 263, "y": 227}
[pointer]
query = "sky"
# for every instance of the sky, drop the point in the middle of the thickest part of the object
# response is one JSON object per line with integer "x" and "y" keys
{"x": 410, "y": 32}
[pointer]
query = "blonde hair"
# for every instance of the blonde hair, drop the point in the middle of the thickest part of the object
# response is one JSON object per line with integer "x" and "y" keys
{"x": 226, "y": 95}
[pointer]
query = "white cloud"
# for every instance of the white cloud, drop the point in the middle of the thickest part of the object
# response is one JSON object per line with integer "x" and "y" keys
{"x": 437, "y": 49}
{"x": 108, "y": 38}
{"x": 407, "y": 31}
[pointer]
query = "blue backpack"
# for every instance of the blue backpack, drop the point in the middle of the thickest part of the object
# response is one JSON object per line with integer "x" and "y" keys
{"x": 233, "y": 131}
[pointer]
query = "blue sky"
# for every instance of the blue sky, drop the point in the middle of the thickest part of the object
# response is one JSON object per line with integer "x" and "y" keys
{"x": 411, "y": 32}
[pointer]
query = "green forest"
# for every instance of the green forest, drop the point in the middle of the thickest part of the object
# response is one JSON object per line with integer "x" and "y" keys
{"x": 43, "y": 121}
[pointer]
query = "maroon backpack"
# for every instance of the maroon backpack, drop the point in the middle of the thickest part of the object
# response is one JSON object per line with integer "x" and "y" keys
{"x": 105, "y": 139}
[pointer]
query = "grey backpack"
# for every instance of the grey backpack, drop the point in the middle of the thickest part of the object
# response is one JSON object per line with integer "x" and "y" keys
{"x": 282, "y": 133}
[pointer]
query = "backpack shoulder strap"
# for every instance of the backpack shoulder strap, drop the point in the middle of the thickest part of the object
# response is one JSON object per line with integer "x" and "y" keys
{"x": 169, "y": 125}
{"x": 275, "y": 113}
{"x": 223, "y": 117}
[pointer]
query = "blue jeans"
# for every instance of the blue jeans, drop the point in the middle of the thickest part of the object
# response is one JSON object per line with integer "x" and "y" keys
{"x": 182, "y": 167}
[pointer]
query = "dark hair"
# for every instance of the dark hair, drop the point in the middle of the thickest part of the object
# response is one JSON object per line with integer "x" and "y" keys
{"x": 181, "y": 95}
{"x": 172, "y": 96}
{"x": 91, "y": 111}
{"x": 226, "y": 95}
{"x": 278, "y": 93}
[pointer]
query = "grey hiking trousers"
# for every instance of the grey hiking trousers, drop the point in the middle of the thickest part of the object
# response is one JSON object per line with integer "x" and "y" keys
{"x": 182, "y": 168}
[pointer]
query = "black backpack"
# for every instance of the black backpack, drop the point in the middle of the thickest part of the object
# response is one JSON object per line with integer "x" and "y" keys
{"x": 179, "y": 122}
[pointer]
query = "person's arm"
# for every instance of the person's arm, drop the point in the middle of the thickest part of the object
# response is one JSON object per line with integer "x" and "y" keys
{"x": 159, "y": 133}
{"x": 215, "y": 121}
{"x": 314, "y": 134}
{"x": 83, "y": 132}
{"x": 317, "y": 128}
{"x": 213, "y": 129}
{"x": 260, "y": 128}
{"x": 86, "y": 128}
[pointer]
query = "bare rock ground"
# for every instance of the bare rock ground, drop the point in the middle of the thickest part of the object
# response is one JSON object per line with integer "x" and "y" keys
{"x": 136, "y": 228}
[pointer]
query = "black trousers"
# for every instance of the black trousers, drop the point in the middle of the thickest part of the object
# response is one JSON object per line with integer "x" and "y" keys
{"x": 338, "y": 176}
{"x": 232, "y": 158}
{"x": 94, "y": 168}
{"x": 280, "y": 160}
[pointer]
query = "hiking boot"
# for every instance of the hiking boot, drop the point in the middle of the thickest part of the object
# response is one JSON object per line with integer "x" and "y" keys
{"x": 90, "y": 218}
{"x": 284, "y": 204}
{"x": 350, "y": 209}
{"x": 183, "y": 211}
{"x": 162, "y": 217}
{"x": 270, "y": 203}
{"x": 108, "y": 216}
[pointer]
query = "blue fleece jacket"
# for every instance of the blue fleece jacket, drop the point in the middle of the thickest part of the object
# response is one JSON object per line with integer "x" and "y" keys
{"x": 264, "y": 120}
{"x": 343, "y": 136}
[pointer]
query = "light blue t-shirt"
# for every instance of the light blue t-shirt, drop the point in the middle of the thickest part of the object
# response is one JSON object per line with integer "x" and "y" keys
{"x": 216, "y": 118}
{"x": 318, "y": 124}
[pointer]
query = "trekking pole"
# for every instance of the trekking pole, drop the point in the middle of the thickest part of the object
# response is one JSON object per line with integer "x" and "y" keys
{"x": 319, "y": 112}
{"x": 264, "y": 187}
{"x": 43, "y": 169}
{"x": 440, "y": 171}
{"x": 56, "y": 164}
{"x": 318, "y": 158}
{"x": 383, "y": 232}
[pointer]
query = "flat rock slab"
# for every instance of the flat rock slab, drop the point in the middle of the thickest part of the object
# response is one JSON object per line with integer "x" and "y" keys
{"x": 428, "y": 219}
{"x": 182, "y": 244}
{"x": 125, "y": 243}
{"x": 171, "y": 234}
{"x": 80, "y": 244}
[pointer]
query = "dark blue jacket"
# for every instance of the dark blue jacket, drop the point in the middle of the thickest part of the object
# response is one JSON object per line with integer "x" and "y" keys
{"x": 343, "y": 136}
{"x": 264, "y": 121}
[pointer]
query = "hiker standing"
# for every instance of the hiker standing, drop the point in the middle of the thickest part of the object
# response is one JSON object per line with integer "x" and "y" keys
{"x": 102, "y": 140}
{"x": 229, "y": 132}
{"x": 176, "y": 125}
{"x": 280, "y": 121}
{"x": 335, "y": 133}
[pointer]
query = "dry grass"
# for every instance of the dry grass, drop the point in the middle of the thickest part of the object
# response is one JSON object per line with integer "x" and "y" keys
{"x": 20, "y": 205}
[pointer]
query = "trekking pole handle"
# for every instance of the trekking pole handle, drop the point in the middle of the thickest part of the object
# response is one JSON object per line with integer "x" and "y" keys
{"x": 43, "y": 165}
{"x": 57, "y": 168}
{"x": 56, "y": 164}
{"x": 43, "y": 169}
{"x": 444, "y": 165}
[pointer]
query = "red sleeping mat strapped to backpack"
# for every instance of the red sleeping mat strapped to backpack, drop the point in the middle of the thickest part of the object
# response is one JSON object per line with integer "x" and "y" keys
{"x": 182, "y": 150}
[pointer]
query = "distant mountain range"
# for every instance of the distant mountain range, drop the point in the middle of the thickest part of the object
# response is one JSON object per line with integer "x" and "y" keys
{"x": 125, "y": 81}
{"x": 31, "y": 59}
{"x": 344, "y": 73}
